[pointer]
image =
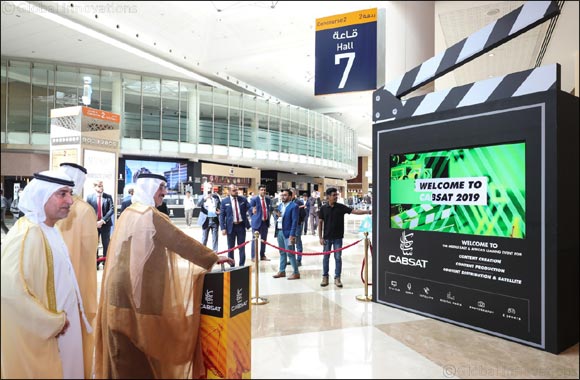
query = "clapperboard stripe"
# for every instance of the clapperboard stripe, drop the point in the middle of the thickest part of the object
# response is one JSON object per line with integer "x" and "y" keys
{"x": 429, "y": 106}
{"x": 475, "y": 43}
{"x": 529, "y": 15}
{"x": 393, "y": 86}
{"x": 428, "y": 68}
{"x": 479, "y": 92}
{"x": 531, "y": 12}
{"x": 512, "y": 85}
{"x": 508, "y": 86}
{"x": 502, "y": 28}
{"x": 410, "y": 105}
{"x": 540, "y": 79}
{"x": 454, "y": 97}
{"x": 448, "y": 61}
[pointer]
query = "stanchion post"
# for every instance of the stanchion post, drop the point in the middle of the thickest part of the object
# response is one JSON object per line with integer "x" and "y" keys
{"x": 366, "y": 297}
{"x": 257, "y": 300}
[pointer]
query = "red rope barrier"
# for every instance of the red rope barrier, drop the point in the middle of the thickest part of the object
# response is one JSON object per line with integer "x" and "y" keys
{"x": 311, "y": 253}
{"x": 100, "y": 259}
{"x": 236, "y": 247}
{"x": 363, "y": 265}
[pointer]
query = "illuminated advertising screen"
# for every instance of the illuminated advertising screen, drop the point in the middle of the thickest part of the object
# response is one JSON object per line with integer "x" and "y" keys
{"x": 475, "y": 191}
{"x": 175, "y": 172}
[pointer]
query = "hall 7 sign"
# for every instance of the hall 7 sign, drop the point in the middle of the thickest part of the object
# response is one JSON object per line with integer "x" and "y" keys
{"x": 347, "y": 52}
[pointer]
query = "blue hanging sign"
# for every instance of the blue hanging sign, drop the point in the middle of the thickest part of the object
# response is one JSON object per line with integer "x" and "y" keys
{"x": 346, "y": 53}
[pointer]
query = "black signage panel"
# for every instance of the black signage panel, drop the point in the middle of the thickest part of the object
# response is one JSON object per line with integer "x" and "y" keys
{"x": 239, "y": 292}
{"x": 212, "y": 301}
{"x": 461, "y": 205}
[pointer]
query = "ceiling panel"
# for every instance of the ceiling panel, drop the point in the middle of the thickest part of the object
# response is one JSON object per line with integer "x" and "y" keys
{"x": 266, "y": 45}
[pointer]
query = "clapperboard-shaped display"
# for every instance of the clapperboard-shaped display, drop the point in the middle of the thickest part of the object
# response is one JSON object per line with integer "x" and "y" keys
{"x": 477, "y": 195}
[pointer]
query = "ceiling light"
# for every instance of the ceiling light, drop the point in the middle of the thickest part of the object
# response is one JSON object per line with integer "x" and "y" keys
{"x": 29, "y": 7}
{"x": 492, "y": 12}
{"x": 490, "y": 55}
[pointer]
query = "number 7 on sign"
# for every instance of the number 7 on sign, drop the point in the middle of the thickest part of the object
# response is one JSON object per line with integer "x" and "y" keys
{"x": 350, "y": 56}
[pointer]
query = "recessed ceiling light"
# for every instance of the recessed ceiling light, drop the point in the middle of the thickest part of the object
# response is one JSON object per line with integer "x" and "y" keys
{"x": 490, "y": 54}
{"x": 492, "y": 12}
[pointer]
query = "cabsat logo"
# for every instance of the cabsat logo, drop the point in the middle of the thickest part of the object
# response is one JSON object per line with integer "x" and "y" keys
{"x": 406, "y": 244}
{"x": 208, "y": 304}
{"x": 406, "y": 247}
{"x": 240, "y": 302}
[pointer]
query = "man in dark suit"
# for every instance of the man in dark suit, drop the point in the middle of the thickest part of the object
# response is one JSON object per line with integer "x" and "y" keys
{"x": 209, "y": 218}
{"x": 104, "y": 208}
{"x": 286, "y": 218}
{"x": 260, "y": 215}
{"x": 127, "y": 200}
{"x": 234, "y": 221}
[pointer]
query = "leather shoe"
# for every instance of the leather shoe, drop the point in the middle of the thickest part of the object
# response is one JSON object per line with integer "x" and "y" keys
{"x": 295, "y": 276}
{"x": 264, "y": 258}
{"x": 279, "y": 274}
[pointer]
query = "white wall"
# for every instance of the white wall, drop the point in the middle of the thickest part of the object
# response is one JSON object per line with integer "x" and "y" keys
{"x": 410, "y": 39}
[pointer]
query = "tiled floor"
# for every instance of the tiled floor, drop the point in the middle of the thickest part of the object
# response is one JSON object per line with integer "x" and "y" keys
{"x": 306, "y": 331}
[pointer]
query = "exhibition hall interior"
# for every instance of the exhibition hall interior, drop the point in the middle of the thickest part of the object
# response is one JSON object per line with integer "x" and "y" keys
{"x": 450, "y": 128}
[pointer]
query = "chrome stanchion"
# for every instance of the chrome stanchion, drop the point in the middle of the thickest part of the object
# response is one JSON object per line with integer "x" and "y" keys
{"x": 257, "y": 300}
{"x": 366, "y": 297}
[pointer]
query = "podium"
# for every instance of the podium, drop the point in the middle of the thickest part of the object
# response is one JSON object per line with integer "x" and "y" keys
{"x": 226, "y": 324}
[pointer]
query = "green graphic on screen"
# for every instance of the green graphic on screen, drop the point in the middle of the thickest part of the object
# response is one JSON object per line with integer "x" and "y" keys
{"x": 502, "y": 214}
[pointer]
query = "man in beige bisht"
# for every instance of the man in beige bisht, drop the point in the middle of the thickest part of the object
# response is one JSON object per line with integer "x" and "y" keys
{"x": 149, "y": 309}
{"x": 41, "y": 304}
{"x": 82, "y": 239}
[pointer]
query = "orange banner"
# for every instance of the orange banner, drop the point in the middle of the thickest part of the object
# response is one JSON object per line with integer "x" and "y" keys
{"x": 346, "y": 19}
{"x": 102, "y": 115}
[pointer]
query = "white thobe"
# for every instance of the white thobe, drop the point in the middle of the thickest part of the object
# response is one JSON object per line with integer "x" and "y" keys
{"x": 70, "y": 344}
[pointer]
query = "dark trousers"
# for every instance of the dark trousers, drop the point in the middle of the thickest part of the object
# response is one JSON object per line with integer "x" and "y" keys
{"x": 105, "y": 235}
{"x": 4, "y": 226}
{"x": 263, "y": 230}
{"x": 214, "y": 227}
{"x": 239, "y": 234}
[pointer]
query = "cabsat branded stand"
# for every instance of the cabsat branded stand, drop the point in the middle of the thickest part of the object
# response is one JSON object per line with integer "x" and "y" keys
{"x": 226, "y": 324}
{"x": 477, "y": 214}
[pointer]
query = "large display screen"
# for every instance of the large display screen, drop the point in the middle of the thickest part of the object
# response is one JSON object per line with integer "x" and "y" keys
{"x": 457, "y": 220}
{"x": 174, "y": 172}
{"x": 473, "y": 190}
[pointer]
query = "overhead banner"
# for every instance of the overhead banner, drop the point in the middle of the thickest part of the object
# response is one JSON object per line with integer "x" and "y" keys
{"x": 349, "y": 52}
